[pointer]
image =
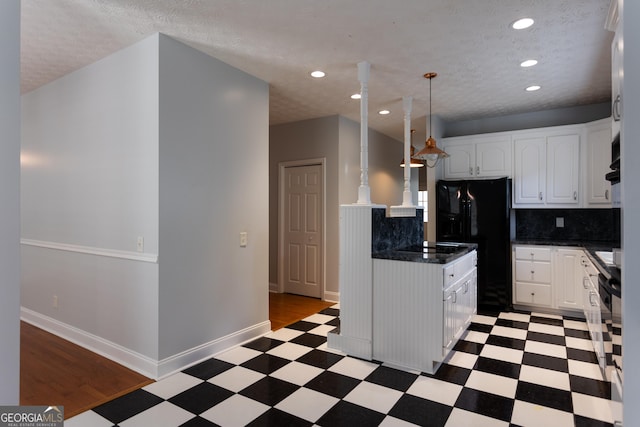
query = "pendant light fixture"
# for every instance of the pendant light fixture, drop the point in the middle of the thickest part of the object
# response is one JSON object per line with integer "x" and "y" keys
{"x": 415, "y": 163}
{"x": 431, "y": 153}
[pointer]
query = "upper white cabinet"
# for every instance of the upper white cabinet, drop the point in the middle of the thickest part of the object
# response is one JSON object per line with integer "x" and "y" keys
{"x": 563, "y": 169}
{"x": 598, "y": 160}
{"x": 477, "y": 156}
{"x": 530, "y": 170}
{"x": 547, "y": 167}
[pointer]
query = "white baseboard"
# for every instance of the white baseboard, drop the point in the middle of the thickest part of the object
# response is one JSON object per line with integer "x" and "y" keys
{"x": 181, "y": 361}
{"x": 142, "y": 364}
{"x": 273, "y": 287}
{"x": 332, "y": 296}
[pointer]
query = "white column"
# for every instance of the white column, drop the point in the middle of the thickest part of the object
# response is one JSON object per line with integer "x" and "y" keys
{"x": 364, "y": 192}
{"x": 407, "y": 209}
{"x": 406, "y": 195}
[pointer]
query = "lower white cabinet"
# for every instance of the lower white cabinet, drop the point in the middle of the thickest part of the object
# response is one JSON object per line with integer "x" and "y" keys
{"x": 548, "y": 277}
{"x": 420, "y": 310}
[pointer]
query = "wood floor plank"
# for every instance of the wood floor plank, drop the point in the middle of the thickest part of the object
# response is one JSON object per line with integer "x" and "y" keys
{"x": 54, "y": 371}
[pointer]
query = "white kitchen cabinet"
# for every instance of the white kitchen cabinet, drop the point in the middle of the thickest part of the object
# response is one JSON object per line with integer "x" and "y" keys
{"x": 563, "y": 169}
{"x": 598, "y": 160}
{"x": 420, "y": 310}
{"x": 550, "y": 277}
{"x": 532, "y": 275}
{"x": 530, "y": 170}
{"x": 547, "y": 168}
{"x": 477, "y": 156}
{"x": 568, "y": 278}
{"x": 617, "y": 75}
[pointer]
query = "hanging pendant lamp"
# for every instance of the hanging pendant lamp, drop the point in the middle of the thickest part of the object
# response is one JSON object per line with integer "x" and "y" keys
{"x": 431, "y": 153}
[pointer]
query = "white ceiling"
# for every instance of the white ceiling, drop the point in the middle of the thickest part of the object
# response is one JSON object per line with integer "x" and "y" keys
{"x": 468, "y": 43}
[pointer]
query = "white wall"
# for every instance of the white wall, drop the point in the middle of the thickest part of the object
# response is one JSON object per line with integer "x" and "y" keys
{"x": 90, "y": 184}
{"x": 10, "y": 202}
{"x": 214, "y": 154}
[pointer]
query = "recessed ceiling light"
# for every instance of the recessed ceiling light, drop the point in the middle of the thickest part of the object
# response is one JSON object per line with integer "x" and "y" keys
{"x": 528, "y": 63}
{"x": 521, "y": 24}
{"x": 317, "y": 74}
{"x": 384, "y": 112}
{"x": 532, "y": 88}
{"x": 356, "y": 96}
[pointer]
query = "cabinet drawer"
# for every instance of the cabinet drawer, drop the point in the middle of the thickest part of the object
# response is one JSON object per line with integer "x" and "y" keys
{"x": 533, "y": 293}
{"x": 458, "y": 269}
{"x": 533, "y": 253}
{"x": 533, "y": 271}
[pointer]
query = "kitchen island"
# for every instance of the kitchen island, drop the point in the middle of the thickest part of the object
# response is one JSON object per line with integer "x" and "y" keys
{"x": 423, "y": 301}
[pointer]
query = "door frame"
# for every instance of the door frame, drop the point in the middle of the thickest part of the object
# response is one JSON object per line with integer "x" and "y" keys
{"x": 282, "y": 166}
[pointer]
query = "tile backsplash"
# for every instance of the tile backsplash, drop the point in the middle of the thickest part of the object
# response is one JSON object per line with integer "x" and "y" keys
{"x": 396, "y": 233}
{"x": 579, "y": 225}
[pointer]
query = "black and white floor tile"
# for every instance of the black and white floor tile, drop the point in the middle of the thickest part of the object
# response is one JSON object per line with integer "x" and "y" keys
{"x": 511, "y": 369}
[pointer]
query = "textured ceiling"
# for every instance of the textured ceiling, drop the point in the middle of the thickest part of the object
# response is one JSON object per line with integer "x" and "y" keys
{"x": 468, "y": 43}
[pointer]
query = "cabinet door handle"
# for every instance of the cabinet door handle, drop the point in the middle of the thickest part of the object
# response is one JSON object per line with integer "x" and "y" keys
{"x": 540, "y": 195}
{"x": 477, "y": 170}
{"x": 615, "y": 111}
{"x": 575, "y": 195}
{"x": 606, "y": 194}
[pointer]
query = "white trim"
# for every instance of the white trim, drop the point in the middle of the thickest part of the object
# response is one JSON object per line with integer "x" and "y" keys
{"x": 322, "y": 161}
{"x": 331, "y": 296}
{"x": 113, "y": 253}
{"x": 183, "y": 360}
{"x": 142, "y": 364}
{"x": 274, "y": 288}
{"x": 129, "y": 358}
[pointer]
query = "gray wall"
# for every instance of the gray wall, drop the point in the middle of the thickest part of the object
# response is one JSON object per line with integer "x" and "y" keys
{"x": 537, "y": 119}
{"x": 90, "y": 184}
{"x": 337, "y": 139}
{"x": 10, "y": 202}
{"x": 631, "y": 212}
{"x": 213, "y": 185}
{"x": 151, "y": 141}
{"x": 307, "y": 139}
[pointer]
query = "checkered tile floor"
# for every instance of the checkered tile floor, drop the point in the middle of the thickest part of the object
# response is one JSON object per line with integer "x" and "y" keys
{"x": 516, "y": 369}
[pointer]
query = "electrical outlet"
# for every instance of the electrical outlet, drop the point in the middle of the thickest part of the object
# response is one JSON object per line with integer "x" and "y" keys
{"x": 55, "y": 301}
{"x": 559, "y": 222}
{"x": 243, "y": 239}
{"x": 140, "y": 245}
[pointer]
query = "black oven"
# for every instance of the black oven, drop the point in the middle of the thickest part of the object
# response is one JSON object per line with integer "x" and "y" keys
{"x": 607, "y": 320}
{"x": 611, "y": 313}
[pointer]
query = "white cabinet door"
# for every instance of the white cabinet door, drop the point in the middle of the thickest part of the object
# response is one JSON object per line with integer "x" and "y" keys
{"x": 598, "y": 146}
{"x": 568, "y": 278}
{"x": 530, "y": 170}
{"x": 563, "y": 169}
{"x": 461, "y": 162}
{"x": 493, "y": 158}
{"x": 617, "y": 75}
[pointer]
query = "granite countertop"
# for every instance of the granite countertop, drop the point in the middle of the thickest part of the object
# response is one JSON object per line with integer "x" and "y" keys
{"x": 429, "y": 252}
{"x": 590, "y": 247}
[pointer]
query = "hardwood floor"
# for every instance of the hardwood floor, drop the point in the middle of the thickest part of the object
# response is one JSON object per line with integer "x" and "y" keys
{"x": 54, "y": 371}
{"x": 285, "y": 309}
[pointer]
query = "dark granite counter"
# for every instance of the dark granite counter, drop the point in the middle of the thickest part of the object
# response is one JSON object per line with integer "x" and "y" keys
{"x": 429, "y": 252}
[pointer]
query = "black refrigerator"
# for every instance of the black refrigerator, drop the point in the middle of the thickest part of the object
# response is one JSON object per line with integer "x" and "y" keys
{"x": 478, "y": 211}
